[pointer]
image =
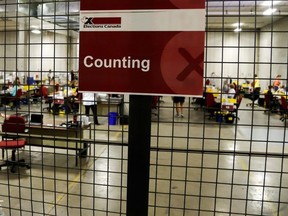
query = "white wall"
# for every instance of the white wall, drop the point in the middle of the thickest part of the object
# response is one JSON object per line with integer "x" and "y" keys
{"x": 274, "y": 61}
{"x": 231, "y": 54}
{"x": 240, "y": 59}
{"x": 46, "y": 51}
{"x": 8, "y": 51}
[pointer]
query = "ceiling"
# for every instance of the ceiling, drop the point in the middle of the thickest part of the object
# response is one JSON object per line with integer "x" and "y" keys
{"x": 63, "y": 16}
{"x": 223, "y": 14}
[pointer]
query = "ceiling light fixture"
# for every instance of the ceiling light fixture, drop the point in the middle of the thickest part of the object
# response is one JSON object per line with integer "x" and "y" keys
{"x": 36, "y": 31}
{"x": 238, "y": 24}
{"x": 269, "y": 11}
{"x": 270, "y": 3}
{"x": 238, "y": 29}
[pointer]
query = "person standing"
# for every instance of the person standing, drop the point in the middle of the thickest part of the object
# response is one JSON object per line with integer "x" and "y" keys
{"x": 256, "y": 83}
{"x": 17, "y": 81}
{"x": 72, "y": 78}
{"x": 90, "y": 102}
{"x": 179, "y": 101}
{"x": 49, "y": 76}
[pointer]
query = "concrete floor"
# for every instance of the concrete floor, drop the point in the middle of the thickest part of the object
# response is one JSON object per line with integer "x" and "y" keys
{"x": 203, "y": 168}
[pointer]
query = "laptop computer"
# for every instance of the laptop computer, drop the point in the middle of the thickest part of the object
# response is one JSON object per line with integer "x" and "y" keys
{"x": 36, "y": 119}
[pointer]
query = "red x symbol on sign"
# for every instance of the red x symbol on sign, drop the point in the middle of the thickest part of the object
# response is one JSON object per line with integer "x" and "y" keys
{"x": 182, "y": 63}
{"x": 193, "y": 64}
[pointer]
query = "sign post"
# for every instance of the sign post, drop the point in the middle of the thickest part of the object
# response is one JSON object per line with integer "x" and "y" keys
{"x": 138, "y": 155}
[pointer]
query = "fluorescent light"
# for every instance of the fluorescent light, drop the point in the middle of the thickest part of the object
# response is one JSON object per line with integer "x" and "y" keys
{"x": 269, "y": 11}
{"x": 36, "y": 31}
{"x": 238, "y": 29}
{"x": 238, "y": 24}
{"x": 270, "y": 3}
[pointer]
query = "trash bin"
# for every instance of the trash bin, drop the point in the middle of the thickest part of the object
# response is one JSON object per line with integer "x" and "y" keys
{"x": 219, "y": 117}
{"x": 229, "y": 118}
{"x": 30, "y": 80}
{"x": 112, "y": 118}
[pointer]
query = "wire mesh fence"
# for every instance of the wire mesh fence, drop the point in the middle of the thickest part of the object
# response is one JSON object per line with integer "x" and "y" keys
{"x": 225, "y": 160}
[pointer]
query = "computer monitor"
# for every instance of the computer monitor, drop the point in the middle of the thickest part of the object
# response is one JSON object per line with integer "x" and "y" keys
{"x": 36, "y": 119}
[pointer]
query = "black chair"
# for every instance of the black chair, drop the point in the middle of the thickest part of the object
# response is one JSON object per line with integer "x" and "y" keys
{"x": 284, "y": 109}
{"x": 271, "y": 103}
{"x": 198, "y": 103}
{"x": 39, "y": 94}
{"x": 254, "y": 96}
{"x": 155, "y": 105}
{"x": 268, "y": 103}
{"x": 238, "y": 103}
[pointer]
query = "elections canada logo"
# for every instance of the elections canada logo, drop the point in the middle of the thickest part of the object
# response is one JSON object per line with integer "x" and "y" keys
{"x": 101, "y": 22}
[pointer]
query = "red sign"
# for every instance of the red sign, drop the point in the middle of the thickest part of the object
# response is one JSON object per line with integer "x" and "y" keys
{"x": 152, "y": 48}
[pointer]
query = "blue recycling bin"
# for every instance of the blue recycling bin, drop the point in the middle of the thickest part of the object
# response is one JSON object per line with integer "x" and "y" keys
{"x": 219, "y": 117}
{"x": 30, "y": 80}
{"x": 112, "y": 118}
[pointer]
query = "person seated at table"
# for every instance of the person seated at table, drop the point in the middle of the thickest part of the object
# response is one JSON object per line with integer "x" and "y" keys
{"x": 277, "y": 83}
{"x": 52, "y": 81}
{"x": 211, "y": 80}
{"x": 274, "y": 104}
{"x": 7, "y": 88}
{"x": 281, "y": 90}
{"x": 17, "y": 81}
{"x": 255, "y": 90}
{"x": 231, "y": 91}
{"x": 225, "y": 88}
{"x": 270, "y": 92}
{"x": 12, "y": 91}
{"x": 53, "y": 87}
{"x": 74, "y": 84}
{"x": 51, "y": 90}
{"x": 211, "y": 106}
{"x": 16, "y": 86}
{"x": 249, "y": 86}
{"x": 236, "y": 87}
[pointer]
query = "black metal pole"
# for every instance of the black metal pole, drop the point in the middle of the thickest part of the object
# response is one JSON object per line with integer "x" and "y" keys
{"x": 138, "y": 155}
